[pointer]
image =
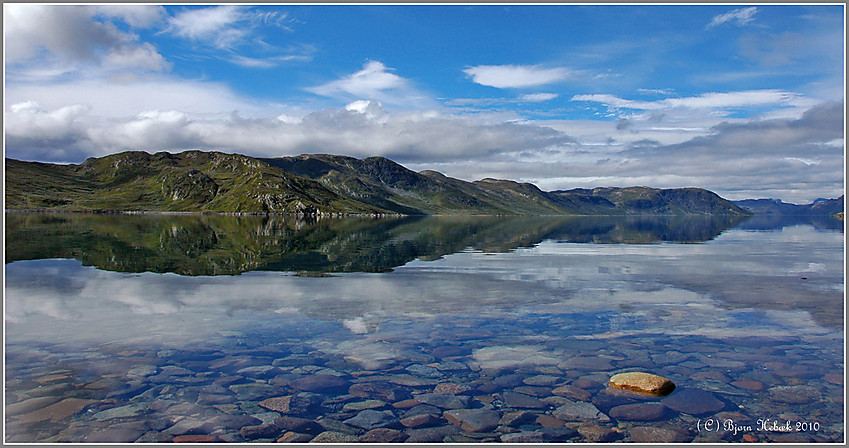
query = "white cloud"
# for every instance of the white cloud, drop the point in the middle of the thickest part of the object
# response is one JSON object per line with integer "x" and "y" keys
{"x": 138, "y": 16}
{"x": 61, "y": 39}
{"x": 718, "y": 101}
{"x": 213, "y": 24}
{"x": 374, "y": 82}
{"x": 537, "y": 97}
{"x": 739, "y": 17}
{"x": 516, "y": 76}
{"x": 224, "y": 27}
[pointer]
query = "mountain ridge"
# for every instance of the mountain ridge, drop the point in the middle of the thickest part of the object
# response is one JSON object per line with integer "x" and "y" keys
{"x": 310, "y": 184}
{"x": 819, "y": 207}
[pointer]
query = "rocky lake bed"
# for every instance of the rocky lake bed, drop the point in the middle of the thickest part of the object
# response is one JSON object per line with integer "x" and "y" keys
{"x": 514, "y": 345}
{"x": 483, "y": 390}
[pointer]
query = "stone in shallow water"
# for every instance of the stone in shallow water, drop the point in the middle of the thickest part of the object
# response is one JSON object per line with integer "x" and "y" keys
{"x": 536, "y": 391}
{"x": 524, "y": 437}
{"x": 379, "y": 390}
{"x": 425, "y": 371}
{"x": 592, "y": 364}
{"x": 131, "y": 410}
{"x": 299, "y": 425}
{"x": 444, "y": 401}
{"x": 451, "y": 366}
{"x": 642, "y": 382}
{"x": 596, "y": 433}
{"x": 32, "y": 404}
{"x": 292, "y": 404}
{"x": 58, "y": 411}
{"x": 253, "y": 391}
{"x": 540, "y": 380}
{"x": 294, "y": 437}
{"x": 434, "y": 434}
{"x": 473, "y": 420}
{"x": 650, "y": 434}
{"x": 189, "y": 426}
{"x": 230, "y": 421}
{"x": 795, "y": 394}
{"x": 362, "y": 405}
{"x": 125, "y": 434}
{"x": 383, "y": 435}
{"x": 580, "y": 411}
{"x": 572, "y": 392}
{"x": 516, "y": 418}
{"x": 751, "y": 385}
{"x": 522, "y": 401}
{"x": 421, "y": 421}
{"x": 322, "y": 383}
{"x": 643, "y": 412}
{"x": 549, "y": 421}
{"x": 451, "y": 388}
{"x": 693, "y": 402}
{"x": 370, "y": 419}
{"x": 447, "y": 351}
{"x": 196, "y": 438}
{"x": 260, "y": 431}
{"x": 334, "y": 437}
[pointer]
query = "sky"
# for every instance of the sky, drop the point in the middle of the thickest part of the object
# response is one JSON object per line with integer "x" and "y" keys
{"x": 744, "y": 100}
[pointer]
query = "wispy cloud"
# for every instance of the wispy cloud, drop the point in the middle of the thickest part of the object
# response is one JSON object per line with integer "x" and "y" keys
{"x": 516, "y": 76}
{"x": 220, "y": 26}
{"x": 712, "y": 100}
{"x": 537, "y": 97}
{"x": 739, "y": 17}
{"x": 232, "y": 33}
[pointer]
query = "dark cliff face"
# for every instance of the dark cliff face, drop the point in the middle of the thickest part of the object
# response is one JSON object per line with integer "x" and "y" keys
{"x": 309, "y": 184}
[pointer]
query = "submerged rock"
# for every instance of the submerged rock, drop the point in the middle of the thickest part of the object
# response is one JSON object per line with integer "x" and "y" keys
{"x": 580, "y": 411}
{"x": 643, "y": 412}
{"x": 644, "y": 383}
{"x": 693, "y": 402}
{"x": 323, "y": 383}
{"x": 370, "y": 419}
{"x": 473, "y": 420}
{"x": 795, "y": 394}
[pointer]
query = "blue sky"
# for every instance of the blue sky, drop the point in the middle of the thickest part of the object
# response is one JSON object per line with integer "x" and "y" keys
{"x": 746, "y": 100}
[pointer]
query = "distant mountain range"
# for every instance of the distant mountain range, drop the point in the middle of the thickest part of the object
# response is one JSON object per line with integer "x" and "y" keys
{"x": 199, "y": 181}
{"x": 820, "y": 207}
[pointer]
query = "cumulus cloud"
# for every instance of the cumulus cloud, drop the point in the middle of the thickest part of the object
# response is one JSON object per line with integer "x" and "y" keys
{"x": 138, "y": 16}
{"x": 739, "y": 17}
{"x": 796, "y": 159}
{"x": 362, "y": 128}
{"x": 51, "y": 40}
{"x": 63, "y": 38}
{"x": 374, "y": 82}
{"x": 516, "y": 76}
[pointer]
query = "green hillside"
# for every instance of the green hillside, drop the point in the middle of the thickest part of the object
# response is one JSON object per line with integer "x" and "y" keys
{"x": 198, "y": 181}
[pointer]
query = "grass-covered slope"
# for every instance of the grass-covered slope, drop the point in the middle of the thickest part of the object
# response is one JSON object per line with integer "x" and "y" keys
{"x": 200, "y": 181}
{"x": 189, "y": 181}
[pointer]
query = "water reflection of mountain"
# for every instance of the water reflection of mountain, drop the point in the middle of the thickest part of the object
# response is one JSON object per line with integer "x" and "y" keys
{"x": 228, "y": 245}
{"x": 778, "y": 222}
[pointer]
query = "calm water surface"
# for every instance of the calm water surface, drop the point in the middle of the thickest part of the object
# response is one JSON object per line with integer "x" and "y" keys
{"x": 256, "y": 329}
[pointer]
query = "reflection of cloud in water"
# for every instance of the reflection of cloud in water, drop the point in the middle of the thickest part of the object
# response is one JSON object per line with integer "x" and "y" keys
{"x": 701, "y": 289}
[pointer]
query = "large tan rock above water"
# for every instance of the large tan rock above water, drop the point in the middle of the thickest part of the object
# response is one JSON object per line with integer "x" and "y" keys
{"x": 643, "y": 383}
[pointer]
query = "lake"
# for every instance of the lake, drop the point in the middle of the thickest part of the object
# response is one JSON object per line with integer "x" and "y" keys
{"x": 190, "y": 328}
